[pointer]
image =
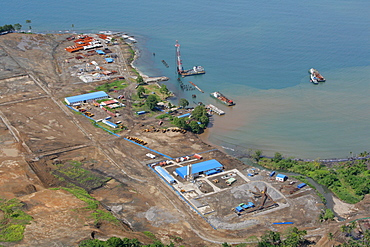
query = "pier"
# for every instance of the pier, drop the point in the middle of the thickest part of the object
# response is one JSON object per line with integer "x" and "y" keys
{"x": 200, "y": 90}
{"x": 214, "y": 109}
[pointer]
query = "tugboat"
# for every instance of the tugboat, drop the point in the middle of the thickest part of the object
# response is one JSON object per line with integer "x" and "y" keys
{"x": 222, "y": 98}
{"x": 315, "y": 76}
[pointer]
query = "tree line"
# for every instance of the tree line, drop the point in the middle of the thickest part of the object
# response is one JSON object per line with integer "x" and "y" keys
{"x": 348, "y": 180}
{"x": 10, "y": 28}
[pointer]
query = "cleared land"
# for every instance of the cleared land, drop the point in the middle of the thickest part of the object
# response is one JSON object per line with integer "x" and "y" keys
{"x": 48, "y": 145}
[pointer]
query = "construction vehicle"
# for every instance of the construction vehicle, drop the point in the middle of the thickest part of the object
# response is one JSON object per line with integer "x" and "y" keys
{"x": 89, "y": 114}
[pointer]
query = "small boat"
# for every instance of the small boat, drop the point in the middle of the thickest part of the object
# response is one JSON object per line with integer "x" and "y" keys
{"x": 315, "y": 76}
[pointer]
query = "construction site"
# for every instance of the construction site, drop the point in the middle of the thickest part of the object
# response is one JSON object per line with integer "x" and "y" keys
{"x": 149, "y": 175}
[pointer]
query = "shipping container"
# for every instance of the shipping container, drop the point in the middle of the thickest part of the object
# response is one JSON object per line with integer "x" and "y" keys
{"x": 197, "y": 156}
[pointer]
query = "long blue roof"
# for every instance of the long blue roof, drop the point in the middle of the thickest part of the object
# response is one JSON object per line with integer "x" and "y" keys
{"x": 87, "y": 96}
{"x": 164, "y": 174}
{"x": 199, "y": 167}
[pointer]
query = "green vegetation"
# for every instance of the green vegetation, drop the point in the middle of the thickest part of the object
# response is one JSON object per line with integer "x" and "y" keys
{"x": 140, "y": 91}
{"x": 304, "y": 179}
{"x": 292, "y": 237}
{"x": 100, "y": 215}
{"x": 327, "y": 215}
{"x": 183, "y": 103}
{"x": 76, "y": 179}
{"x": 199, "y": 114}
{"x": 118, "y": 242}
{"x": 12, "y": 220}
{"x": 164, "y": 90}
{"x": 106, "y": 127}
{"x": 257, "y": 155}
{"x": 349, "y": 180}
{"x": 116, "y": 85}
{"x": 92, "y": 204}
{"x": 82, "y": 194}
{"x": 8, "y": 27}
{"x": 146, "y": 96}
{"x": 139, "y": 79}
{"x": 166, "y": 115}
{"x": 73, "y": 171}
{"x": 351, "y": 241}
{"x": 151, "y": 102}
{"x": 132, "y": 57}
{"x": 150, "y": 235}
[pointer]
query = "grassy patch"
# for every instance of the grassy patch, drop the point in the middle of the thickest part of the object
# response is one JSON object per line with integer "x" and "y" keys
{"x": 82, "y": 194}
{"x": 75, "y": 173}
{"x": 100, "y": 215}
{"x": 92, "y": 204}
{"x": 114, "y": 130}
{"x": 116, "y": 85}
{"x": 163, "y": 116}
{"x": 13, "y": 221}
{"x": 150, "y": 235}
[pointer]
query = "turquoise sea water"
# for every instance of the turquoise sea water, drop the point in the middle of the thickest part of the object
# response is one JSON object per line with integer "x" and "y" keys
{"x": 255, "y": 52}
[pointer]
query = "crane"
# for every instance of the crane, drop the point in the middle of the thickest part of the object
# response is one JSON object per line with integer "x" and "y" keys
{"x": 178, "y": 59}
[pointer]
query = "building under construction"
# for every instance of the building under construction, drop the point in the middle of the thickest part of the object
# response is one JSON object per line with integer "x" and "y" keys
{"x": 260, "y": 202}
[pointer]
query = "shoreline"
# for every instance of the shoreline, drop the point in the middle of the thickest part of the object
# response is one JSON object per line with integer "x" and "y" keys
{"x": 239, "y": 154}
{"x": 123, "y": 156}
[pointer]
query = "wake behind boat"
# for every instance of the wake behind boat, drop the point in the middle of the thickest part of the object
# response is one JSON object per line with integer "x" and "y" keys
{"x": 315, "y": 76}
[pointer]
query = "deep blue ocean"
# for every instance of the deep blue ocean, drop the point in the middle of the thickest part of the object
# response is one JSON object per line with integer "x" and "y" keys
{"x": 256, "y": 52}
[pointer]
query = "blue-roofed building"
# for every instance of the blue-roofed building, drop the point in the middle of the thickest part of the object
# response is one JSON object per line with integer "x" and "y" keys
{"x": 83, "y": 98}
{"x": 165, "y": 174}
{"x": 300, "y": 186}
{"x": 100, "y": 52}
{"x": 239, "y": 209}
{"x": 110, "y": 124}
{"x": 200, "y": 168}
{"x": 109, "y": 60}
{"x": 281, "y": 177}
{"x": 185, "y": 115}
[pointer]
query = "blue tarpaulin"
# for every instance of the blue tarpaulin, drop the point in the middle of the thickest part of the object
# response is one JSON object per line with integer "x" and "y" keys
{"x": 109, "y": 60}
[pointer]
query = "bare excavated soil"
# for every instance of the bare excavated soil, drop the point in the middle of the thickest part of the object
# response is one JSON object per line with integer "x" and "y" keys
{"x": 46, "y": 145}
